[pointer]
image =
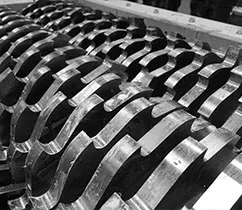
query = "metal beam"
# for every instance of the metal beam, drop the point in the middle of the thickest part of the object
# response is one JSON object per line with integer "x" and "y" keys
{"x": 16, "y": 4}
{"x": 218, "y": 35}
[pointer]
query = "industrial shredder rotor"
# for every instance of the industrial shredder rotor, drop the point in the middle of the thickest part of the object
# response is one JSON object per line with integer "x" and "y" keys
{"x": 99, "y": 113}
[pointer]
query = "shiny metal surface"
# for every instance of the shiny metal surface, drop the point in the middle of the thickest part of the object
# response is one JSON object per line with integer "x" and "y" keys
{"x": 102, "y": 112}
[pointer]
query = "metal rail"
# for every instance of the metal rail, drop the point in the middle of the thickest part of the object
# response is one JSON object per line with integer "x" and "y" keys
{"x": 16, "y": 4}
{"x": 218, "y": 35}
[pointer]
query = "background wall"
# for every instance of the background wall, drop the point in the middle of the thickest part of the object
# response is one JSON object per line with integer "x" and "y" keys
{"x": 185, "y": 7}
